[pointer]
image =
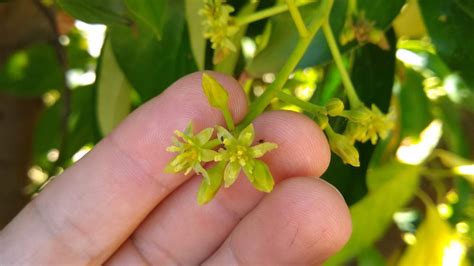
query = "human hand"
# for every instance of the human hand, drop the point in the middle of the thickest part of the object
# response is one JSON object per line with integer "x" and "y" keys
{"x": 116, "y": 206}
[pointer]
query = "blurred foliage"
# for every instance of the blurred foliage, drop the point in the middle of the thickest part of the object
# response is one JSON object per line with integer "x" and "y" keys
{"x": 420, "y": 178}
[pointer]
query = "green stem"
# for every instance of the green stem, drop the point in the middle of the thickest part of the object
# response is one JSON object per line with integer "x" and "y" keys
{"x": 346, "y": 80}
{"x": 296, "y": 16}
{"x": 259, "y": 105}
{"x": 306, "y": 106}
{"x": 266, "y": 13}
{"x": 329, "y": 131}
{"x": 228, "y": 119}
{"x": 425, "y": 198}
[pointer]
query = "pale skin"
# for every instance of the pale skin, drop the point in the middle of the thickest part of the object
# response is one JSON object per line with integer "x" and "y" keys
{"x": 117, "y": 207}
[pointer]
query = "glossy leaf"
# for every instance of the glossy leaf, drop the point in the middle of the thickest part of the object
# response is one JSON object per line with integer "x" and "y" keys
{"x": 415, "y": 111}
{"x": 372, "y": 215}
{"x": 450, "y": 25}
{"x": 151, "y": 65}
{"x": 97, "y": 12}
{"x": 195, "y": 28}
{"x": 113, "y": 92}
{"x": 150, "y": 13}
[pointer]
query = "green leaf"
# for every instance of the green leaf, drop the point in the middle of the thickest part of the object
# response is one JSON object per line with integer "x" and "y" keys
{"x": 450, "y": 24}
{"x": 283, "y": 38}
{"x": 81, "y": 128}
{"x": 195, "y": 29}
{"x": 415, "y": 107}
{"x": 207, "y": 190}
{"x": 149, "y": 13}
{"x": 31, "y": 72}
{"x": 113, "y": 92}
{"x": 371, "y": 257}
{"x": 378, "y": 176}
{"x": 372, "y": 215}
{"x": 373, "y": 73}
{"x": 151, "y": 65}
{"x": 82, "y": 122}
{"x": 110, "y": 12}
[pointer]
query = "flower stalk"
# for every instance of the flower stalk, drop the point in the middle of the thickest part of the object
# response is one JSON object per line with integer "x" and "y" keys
{"x": 296, "y": 16}
{"x": 346, "y": 80}
{"x": 268, "y": 12}
{"x": 259, "y": 105}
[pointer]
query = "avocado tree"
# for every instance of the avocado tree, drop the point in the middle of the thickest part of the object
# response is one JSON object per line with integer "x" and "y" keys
{"x": 390, "y": 83}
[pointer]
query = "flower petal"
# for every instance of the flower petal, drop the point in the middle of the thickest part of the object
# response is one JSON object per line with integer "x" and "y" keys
{"x": 208, "y": 155}
{"x": 231, "y": 173}
{"x": 262, "y": 178}
{"x": 204, "y": 136}
{"x": 248, "y": 170}
{"x": 260, "y": 149}
{"x": 207, "y": 191}
{"x": 223, "y": 134}
{"x": 247, "y": 136}
{"x": 199, "y": 170}
{"x": 189, "y": 129}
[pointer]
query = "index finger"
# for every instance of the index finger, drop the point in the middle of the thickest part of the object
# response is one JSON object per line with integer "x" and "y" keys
{"x": 90, "y": 209}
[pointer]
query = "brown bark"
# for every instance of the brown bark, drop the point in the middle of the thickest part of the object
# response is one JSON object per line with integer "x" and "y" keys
{"x": 17, "y": 122}
{"x": 22, "y": 23}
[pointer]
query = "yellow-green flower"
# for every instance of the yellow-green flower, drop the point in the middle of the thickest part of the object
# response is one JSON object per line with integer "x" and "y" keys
{"x": 192, "y": 152}
{"x": 219, "y": 27}
{"x": 359, "y": 28}
{"x": 344, "y": 148}
{"x": 368, "y": 124}
{"x": 240, "y": 154}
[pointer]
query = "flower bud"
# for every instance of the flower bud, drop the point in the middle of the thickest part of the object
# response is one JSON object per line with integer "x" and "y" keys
{"x": 334, "y": 107}
{"x": 360, "y": 115}
{"x": 344, "y": 148}
{"x": 215, "y": 93}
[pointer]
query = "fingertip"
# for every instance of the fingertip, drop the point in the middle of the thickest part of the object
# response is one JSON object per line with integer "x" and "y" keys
{"x": 325, "y": 213}
{"x": 299, "y": 136}
{"x": 302, "y": 222}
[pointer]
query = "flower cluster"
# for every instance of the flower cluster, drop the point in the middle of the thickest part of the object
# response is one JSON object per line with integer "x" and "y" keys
{"x": 358, "y": 28}
{"x": 235, "y": 151}
{"x": 368, "y": 124}
{"x": 363, "y": 124}
{"x": 219, "y": 27}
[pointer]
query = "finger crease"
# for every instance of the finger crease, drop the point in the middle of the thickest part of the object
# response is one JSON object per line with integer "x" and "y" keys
{"x": 233, "y": 252}
{"x": 157, "y": 248}
{"x": 57, "y": 235}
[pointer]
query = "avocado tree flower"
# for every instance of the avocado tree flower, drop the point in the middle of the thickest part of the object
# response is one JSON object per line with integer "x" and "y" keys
{"x": 192, "y": 151}
{"x": 239, "y": 154}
